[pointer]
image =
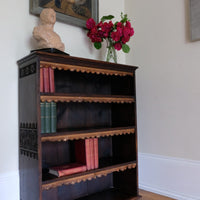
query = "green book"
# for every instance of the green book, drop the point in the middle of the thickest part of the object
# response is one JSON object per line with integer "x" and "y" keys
{"x": 47, "y": 118}
{"x": 42, "y": 116}
{"x": 53, "y": 117}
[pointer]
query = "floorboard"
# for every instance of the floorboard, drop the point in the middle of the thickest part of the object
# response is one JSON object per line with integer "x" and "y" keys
{"x": 152, "y": 196}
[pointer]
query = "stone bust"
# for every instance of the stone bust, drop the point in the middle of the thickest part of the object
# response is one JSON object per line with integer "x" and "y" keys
{"x": 44, "y": 33}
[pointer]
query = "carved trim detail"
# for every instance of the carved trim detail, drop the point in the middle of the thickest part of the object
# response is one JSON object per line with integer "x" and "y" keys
{"x": 83, "y": 69}
{"x": 89, "y": 99}
{"x": 91, "y": 134}
{"x": 27, "y": 70}
{"x": 93, "y": 174}
{"x": 28, "y": 140}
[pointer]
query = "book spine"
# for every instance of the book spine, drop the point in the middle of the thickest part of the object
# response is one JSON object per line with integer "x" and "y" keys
{"x": 92, "y": 152}
{"x": 41, "y": 80}
{"x": 88, "y": 154}
{"x": 80, "y": 152}
{"x": 46, "y": 79}
{"x": 96, "y": 153}
{"x": 51, "y": 80}
{"x": 42, "y": 116}
{"x": 66, "y": 172}
{"x": 53, "y": 117}
{"x": 47, "y": 117}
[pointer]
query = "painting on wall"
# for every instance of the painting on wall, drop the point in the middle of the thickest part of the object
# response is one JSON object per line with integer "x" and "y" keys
{"x": 75, "y": 12}
{"x": 195, "y": 19}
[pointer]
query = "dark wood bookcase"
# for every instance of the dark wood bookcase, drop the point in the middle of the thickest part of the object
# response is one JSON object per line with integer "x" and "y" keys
{"x": 94, "y": 99}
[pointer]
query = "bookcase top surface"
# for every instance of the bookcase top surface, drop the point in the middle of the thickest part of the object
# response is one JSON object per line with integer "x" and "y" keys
{"x": 71, "y": 60}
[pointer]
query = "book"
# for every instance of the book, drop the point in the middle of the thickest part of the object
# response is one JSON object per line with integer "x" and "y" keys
{"x": 82, "y": 152}
{"x": 53, "y": 119}
{"x": 91, "y": 142}
{"x": 68, "y": 169}
{"x": 41, "y": 80}
{"x": 96, "y": 153}
{"x": 51, "y": 80}
{"x": 46, "y": 79}
{"x": 42, "y": 116}
{"x": 47, "y": 117}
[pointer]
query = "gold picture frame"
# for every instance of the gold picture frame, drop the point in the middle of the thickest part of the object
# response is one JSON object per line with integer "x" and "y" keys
{"x": 74, "y": 12}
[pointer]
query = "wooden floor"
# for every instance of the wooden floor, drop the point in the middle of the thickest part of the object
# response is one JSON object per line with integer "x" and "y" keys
{"x": 151, "y": 196}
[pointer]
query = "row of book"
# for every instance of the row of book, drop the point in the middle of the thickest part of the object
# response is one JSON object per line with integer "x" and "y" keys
{"x": 86, "y": 153}
{"x": 48, "y": 117}
{"x": 47, "y": 84}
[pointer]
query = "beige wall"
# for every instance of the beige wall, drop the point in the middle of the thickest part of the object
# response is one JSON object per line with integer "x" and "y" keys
{"x": 168, "y": 80}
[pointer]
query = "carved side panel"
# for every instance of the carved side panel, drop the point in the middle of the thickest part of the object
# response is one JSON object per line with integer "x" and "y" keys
{"x": 27, "y": 70}
{"x": 29, "y": 140}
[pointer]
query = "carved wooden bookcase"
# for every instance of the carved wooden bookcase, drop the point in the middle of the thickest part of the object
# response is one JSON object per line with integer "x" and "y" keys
{"x": 94, "y": 99}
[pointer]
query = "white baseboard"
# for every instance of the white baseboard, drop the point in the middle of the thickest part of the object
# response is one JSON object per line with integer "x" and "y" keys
{"x": 9, "y": 186}
{"x": 173, "y": 177}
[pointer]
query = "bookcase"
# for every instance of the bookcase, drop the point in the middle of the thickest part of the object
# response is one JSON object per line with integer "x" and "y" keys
{"x": 94, "y": 99}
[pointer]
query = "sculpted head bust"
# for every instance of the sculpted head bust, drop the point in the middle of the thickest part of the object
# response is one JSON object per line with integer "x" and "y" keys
{"x": 44, "y": 33}
{"x": 48, "y": 16}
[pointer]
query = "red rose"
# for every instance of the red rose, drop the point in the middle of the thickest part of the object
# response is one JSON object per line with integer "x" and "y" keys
{"x": 106, "y": 28}
{"x": 125, "y": 39}
{"x": 94, "y": 35}
{"x": 131, "y": 32}
{"x": 115, "y": 36}
{"x": 90, "y": 23}
{"x": 118, "y": 46}
{"x": 128, "y": 24}
{"x": 119, "y": 24}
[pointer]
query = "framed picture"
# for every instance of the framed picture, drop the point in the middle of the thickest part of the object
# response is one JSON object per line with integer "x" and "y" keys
{"x": 74, "y": 12}
{"x": 195, "y": 20}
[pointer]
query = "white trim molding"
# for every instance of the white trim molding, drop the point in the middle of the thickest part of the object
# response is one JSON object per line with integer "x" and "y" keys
{"x": 9, "y": 186}
{"x": 173, "y": 177}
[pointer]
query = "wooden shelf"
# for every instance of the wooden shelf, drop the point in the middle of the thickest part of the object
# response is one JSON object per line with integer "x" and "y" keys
{"x": 84, "y": 69}
{"x": 75, "y": 135}
{"x": 77, "y": 98}
{"x": 85, "y": 176}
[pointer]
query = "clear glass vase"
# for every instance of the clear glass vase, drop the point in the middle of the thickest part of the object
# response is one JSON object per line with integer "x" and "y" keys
{"x": 111, "y": 52}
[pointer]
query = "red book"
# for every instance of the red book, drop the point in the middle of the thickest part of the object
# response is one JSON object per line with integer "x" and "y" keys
{"x": 46, "y": 79}
{"x": 96, "y": 153}
{"x": 82, "y": 152}
{"x": 91, "y": 141}
{"x": 51, "y": 80}
{"x": 68, "y": 169}
{"x": 41, "y": 80}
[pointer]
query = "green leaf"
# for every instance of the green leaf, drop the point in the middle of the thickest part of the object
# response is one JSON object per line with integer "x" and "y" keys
{"x": 97, "y": 45}
{"x": 124, "y": 18}
{"x": 125, "y": 48}
{"x": 108, "y": 17}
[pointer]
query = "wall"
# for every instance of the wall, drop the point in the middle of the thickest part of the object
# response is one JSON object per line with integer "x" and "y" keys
{"x": 16, "y": 42}
{"x": 168, "y": 96}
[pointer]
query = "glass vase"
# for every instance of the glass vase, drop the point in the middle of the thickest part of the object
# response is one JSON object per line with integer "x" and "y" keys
{"x": 111, "y": 53}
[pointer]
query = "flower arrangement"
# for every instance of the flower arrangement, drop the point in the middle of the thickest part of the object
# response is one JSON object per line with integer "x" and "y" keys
{"x": 116, "y": 34}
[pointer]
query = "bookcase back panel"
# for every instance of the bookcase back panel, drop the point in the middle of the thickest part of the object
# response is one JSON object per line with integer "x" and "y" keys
{"x": 77, "y": 116}
{"x": 126, "y": 181}
{"x": 123, "y": 148}
{"x": 82, "y": 115}
{"x": 122, "y": 85}
{"x": 56, "y": 153}
{"x": 105, "y": 151}
{"x": 73, "y": 82}
{"x": 123, "y": 115}
{"x": 116, "y": 150}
